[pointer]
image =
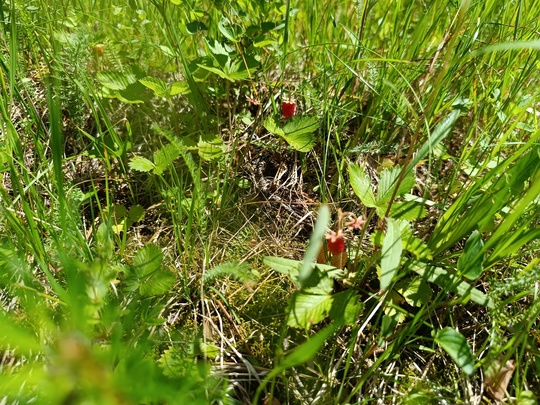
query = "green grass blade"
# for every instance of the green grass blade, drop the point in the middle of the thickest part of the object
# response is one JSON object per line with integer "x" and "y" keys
{"x": 315, "y": 245}
{"x": 391, "y": 253}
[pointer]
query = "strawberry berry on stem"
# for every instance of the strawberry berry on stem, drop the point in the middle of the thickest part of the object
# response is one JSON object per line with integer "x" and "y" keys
{"x": 287, "y": 109}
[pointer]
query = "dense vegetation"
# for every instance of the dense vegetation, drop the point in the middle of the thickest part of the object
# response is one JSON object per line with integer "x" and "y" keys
{"x": 264, "y": 202}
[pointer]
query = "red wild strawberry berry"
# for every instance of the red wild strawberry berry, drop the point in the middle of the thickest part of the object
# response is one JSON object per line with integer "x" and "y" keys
{"x": 336, "y": 242}
{"x": 287, "y": 109}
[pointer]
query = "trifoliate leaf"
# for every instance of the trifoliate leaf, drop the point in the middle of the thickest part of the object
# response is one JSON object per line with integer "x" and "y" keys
{"x": 136, "y": 213}
{"x": 298, "y": 131}
{"x": 116, "y": 80}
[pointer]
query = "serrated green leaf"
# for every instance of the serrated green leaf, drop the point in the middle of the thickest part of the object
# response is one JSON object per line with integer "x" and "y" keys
{"x": 157, "y": 282}
{"x": 194, "y": 27}
{"x": 318, "y": 283}
{"x": 132, "y": 94}
{"x": 236, "y": 70}
{"x": 417, "y": 247}
{"x": 301, "y": 142}
{"x": 292, "y": 267}
{"x": 405, "y": 210}
{"x": 282, "y": 265}
{"x": 141, "y": 164}
{"x": 297, "y": 131}
{"x": 394, "y": 300}
{"x": 346, "y": 307}
{"x": 147, "y": 260}
{"x": 116, "y": 80}
{"x": 388, "y": 182}
{"x": 390, "y": 321}
{"x": 272, "y": 127}
{"x": 263, "y": 41}
{"x": 307, "y": 310}
{"x": 158, "y": 86}
{"x": 415, "y": 291}
{"x": 391, "y": 253}
{"x": 164, "y": 157}
{"x": 151, "y": 278}
{"x": 211, "y": 150}
{"x": 173, "y": 362}
{"x": 217, "y": 49}
{"x": 179, "y": 88}
{"x": 116, "y": 212}
{"x": 238, "y": 271}
{"x": 300, "y": 124}
{"x": 455, "y": 344}
{"x": 217, "y": 71}
{"x": 471, "y": 262}
{"x": 227, "y": 30}
{"x": 361, "y": 185}
{"x": 136, "y": 213}
{"x": 104, "y": 242}
{"x": 451, "y": 282}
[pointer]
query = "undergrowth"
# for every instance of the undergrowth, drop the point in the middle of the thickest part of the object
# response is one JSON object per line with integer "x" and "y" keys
{"x": 260, "y": 202}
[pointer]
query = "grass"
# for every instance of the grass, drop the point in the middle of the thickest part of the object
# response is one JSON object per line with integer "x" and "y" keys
{"x": 160, "y": 217}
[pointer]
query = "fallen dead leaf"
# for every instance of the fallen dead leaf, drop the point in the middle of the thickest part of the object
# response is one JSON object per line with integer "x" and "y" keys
{"x": 497, "y": 377}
